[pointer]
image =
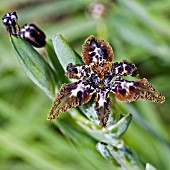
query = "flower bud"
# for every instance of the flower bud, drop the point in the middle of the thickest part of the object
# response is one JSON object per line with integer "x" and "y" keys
{"x": 32, "y": 34}
{"x": 10, "y": 21}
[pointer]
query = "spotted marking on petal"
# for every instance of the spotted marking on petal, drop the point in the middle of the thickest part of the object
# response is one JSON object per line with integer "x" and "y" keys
{"x": 124, "y": 68}
{"x": 77, "y": 71}
{"x": 128, "y": 91}
{"x": 70, "y": 96}
{"x": 95, "y": 50}
{"x": 102, "y": 106}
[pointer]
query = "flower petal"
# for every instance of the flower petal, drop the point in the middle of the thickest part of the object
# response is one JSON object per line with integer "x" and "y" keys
{"x": 77, "y": 71}
{"x": 69, "y": 96}
{"x": 128, "y": 91}
{"x": 96, "y": 50}
{"x": 102, "y": 106}
{"x": 124, "y": 68}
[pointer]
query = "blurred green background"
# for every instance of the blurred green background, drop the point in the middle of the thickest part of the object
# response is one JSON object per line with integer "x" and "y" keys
{"x": 138, "y": 31}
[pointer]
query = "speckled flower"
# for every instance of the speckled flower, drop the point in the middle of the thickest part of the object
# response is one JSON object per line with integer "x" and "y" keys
{"x": 10, "y": 20}
{"x": 100, "y": 76}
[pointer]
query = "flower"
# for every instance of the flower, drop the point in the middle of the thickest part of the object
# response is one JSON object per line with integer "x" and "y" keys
{"x": 96, "y": 76}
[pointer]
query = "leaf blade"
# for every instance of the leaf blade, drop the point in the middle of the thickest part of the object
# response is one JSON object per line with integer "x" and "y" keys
{"x": 34, "y": 65}
{"x": 65, "y": 52}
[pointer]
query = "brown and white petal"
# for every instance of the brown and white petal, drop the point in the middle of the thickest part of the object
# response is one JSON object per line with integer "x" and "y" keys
{"x": 102, "y": 106}
{"x": 77, "y": 71}
{"x": 128, "y": 91}
{"x": 70, "y": 96}
{"x": 124, "y": 68}
{"x": 96, "y": 50}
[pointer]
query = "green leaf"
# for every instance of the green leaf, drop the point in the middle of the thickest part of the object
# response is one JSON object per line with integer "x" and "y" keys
{"x": 65, "y": 52}
{"x": 34, "y": 65}
{"x": 59, "y": 71}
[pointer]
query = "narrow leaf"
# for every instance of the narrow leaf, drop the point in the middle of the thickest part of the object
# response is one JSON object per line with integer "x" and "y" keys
{"x": 59, "y": 71}
{"x": 65, "y": 52}
{"x": 34, "y": 65}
